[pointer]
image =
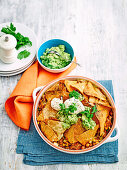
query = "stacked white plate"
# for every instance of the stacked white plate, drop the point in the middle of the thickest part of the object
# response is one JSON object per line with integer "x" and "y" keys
{"x": 20, "y": 65}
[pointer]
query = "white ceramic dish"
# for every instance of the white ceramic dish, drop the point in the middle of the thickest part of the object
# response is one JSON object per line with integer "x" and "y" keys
{"x": 108, "y": 138}
{"x": 14, "y": 71}
{"x": 17, "y": 72}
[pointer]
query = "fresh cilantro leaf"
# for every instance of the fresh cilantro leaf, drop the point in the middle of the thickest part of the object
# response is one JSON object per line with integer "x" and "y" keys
{"x": 72, "y": 108}
{"x": 23, "y": 54}
{"x": 94, "y": 109}
{"x": 62, "y": 106}
{"x": 88, "y": 115}
{"x": 91, "y": 115}
{"x": 12, "y": 27}
{"x": 74, "y": 94}
{"x": 89, "y": 119}
{"x": 61, "y": 112}
{"x": 21, "y": 40}
{"x": 85, "y": 112}
{"x": 67, "y": 110}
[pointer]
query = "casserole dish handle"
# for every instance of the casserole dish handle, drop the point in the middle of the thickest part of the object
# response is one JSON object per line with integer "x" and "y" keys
{"x": 112, "y": 139}
{"x": 35, "y": 92}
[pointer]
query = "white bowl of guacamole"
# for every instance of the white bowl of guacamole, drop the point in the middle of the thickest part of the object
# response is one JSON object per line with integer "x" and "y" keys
{"x": 55, "y": 55}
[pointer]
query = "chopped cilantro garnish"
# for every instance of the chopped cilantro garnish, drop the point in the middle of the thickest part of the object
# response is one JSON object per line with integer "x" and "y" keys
{"x": 76, "y": 95}
{"x": 91, "y": 115}
{"x": 72, "y": 108}
{"x": 65, "y": 115}
{"x": 66, "y": 111}
{"x": 88, "y": 115}
{"x": 94, "y": 109}
{"x": 62, "y": 106}
{"x": 84, "y": 112}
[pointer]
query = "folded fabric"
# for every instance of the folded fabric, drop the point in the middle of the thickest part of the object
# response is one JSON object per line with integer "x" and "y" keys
{"x": 37, "y": 152}
{"x": 20, "y": 103}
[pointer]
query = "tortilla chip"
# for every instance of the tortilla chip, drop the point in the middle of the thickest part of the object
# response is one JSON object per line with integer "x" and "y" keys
{"x": 78, "y": 128}
{"x": 78, "y": 86}
{"x": 65, "y": 94}
{"x": 85, "y": 101}
{"x": 48, "y": 111}
{"x": 100, "y": 95}
{"x": 85, "y": 97}
{"x": 61, "y": 85}
{"x": 91, "y": 90}
{"x": 40, "y": 117}
{"x": 57, "y": 127}
{"x": 69, "y": 134}
{"x": 49, "y": 96}
{"x": 68, "y": 86}
{"x": 57, "y": 94}
{"x": 74, "y": 130}
{"x": 48, "y": 132}
{"x": 72, "y": 85}
{"x": 93, "y": 101}
{"x": 102, "y": 115}
{"x": 57, "y": 86}
{"x": 87, "y": 135}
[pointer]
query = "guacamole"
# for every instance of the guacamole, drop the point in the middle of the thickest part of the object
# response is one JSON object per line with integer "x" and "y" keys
{"x": 54, "y": 61}
{"x": 88, "y": 123}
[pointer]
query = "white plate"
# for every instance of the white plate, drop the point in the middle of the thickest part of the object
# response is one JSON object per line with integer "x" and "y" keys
{"x": 17, "y": 72}
{"x": 20, "y": 64}
{"x": 8, "y": 72}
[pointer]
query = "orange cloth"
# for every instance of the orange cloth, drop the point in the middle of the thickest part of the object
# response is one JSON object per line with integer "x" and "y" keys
{"x": 20, "y": 103}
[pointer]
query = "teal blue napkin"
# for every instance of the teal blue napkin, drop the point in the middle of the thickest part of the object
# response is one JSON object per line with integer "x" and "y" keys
{"x": 37, "y": 152}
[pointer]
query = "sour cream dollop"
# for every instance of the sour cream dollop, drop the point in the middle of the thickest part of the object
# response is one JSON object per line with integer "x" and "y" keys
{"x": 55, "y": 103}
{"x": 80, "y": 107}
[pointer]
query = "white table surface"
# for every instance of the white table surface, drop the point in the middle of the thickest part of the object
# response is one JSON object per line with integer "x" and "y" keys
{"x": 97, "y": 31}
